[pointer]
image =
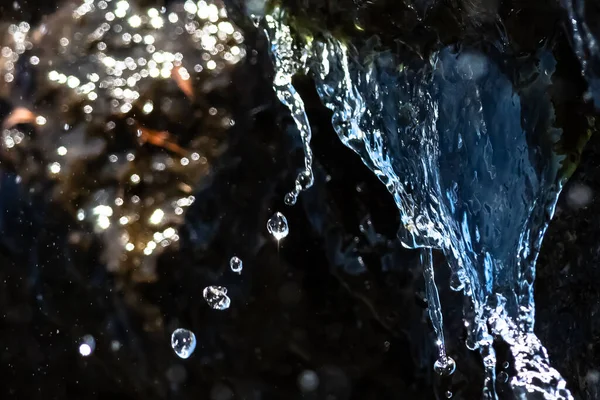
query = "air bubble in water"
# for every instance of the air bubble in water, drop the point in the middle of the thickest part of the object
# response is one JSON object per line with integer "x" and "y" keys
{"x": 236, "y": 264}
{"x": 183, "y": 342}
{"x": 216, "y": 297}
{"x": 278, "y": 226}
{"x": 444, "y": 366}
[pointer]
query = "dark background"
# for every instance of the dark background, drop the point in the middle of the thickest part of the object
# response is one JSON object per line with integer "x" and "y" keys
{"x": 307, "y": 305}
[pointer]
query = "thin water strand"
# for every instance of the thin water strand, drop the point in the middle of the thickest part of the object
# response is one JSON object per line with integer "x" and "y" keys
{"x": 287, "y": 63}
{"x": 444, "y": 365}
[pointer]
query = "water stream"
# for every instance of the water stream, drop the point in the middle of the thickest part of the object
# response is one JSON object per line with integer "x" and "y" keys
{"x": 469, "y": 159}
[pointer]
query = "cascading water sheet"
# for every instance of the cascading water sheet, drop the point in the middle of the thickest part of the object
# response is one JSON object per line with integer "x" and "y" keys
{"x": 469, "y": 159}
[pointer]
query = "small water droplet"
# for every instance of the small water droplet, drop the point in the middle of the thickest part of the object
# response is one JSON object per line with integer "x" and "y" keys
{"x": 278, "y": 226}
{"x": 236, "y": 264}
{"x": 505, "y": 364}
{"x": 216, "y": 297}
{"x": 115, "y": 345}
{"x": 503, "y": 377}
{"x": 183, "y": 342}
{"x": 305, "y": 179}
{"x": 449, "y": 394}
{"x": 87, "y": 345}
{"x": 457, "y": 281}
{"x": 444, "y": 366}
{"x": 290, "y": 199}
{"x": 308, "y": 381}
{"x": 256, "y": 19}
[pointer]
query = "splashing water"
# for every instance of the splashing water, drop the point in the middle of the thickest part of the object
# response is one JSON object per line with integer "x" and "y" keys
{"x": 468, "y": 157}
{"x": 286, "y": 65}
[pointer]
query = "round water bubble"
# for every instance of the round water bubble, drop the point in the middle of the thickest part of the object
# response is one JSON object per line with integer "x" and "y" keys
{"x": 444, "y": 366}
{"x": 183, "y": 342}
{"x": 216, "y": 297}
{"x": 449, "y": 394}
{"x": 277, "y": 226}
{"x": 236, "y": 264}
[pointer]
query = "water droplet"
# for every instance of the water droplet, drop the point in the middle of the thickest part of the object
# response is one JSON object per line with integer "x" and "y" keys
{"x": 278, "y": 226}
{"x": 87, "y": 345}
{"x": 444, "y": 366}
{"x": 503, "y": 377}
{"x": 236, "y": 264}
{"x": 183, "y": 342}
{"x": 290, "y": 199}
{"x": 115, "y": 345}
{"x": 449, "y": 394}
{"x": 505, "y": 364}
{"x": 305, "y": 179}
{"x": 216, "y": 297}
{"x": 308, "y": 381}
{"x": 256, "y": 19}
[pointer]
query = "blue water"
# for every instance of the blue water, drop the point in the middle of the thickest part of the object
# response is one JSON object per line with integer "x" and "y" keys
{"x": 468, "y": 157}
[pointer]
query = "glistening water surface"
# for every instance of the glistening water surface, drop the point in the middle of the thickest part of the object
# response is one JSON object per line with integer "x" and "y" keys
{"x": 470, "y": 159}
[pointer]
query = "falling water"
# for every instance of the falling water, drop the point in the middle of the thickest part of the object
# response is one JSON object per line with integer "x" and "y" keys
{"x": 444, "y": 365}
{"x": 286, "y": 66}
{"x": 470, "y": 161}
